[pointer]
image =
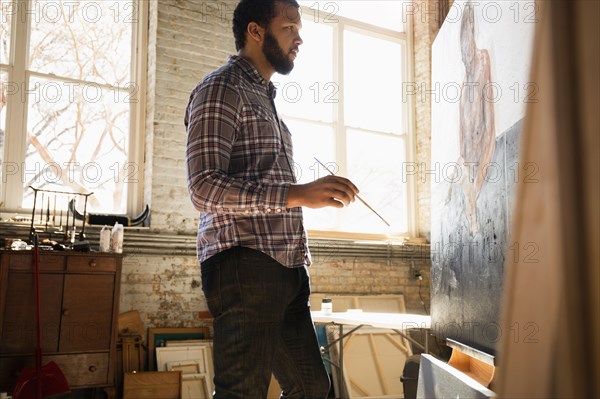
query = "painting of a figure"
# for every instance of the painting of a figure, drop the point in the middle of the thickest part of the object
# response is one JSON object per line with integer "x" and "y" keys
{"x": 478, "y": 132}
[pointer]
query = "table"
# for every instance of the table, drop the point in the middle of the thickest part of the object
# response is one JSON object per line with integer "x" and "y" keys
{"x": 398, "y": 322}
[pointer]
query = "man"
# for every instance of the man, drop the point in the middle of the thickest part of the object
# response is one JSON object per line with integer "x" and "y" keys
{"x": 252, "y": 244}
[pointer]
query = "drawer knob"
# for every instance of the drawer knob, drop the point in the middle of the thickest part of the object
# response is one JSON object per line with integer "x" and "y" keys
{"x": 65, "y": 312}
{"x": 93, "y": 263}
{"x": 92, "y": 369}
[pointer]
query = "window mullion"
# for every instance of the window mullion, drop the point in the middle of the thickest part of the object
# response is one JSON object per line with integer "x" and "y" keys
{"x": 340, "y": 128}
{"x": 137, "y": 122}
{"x": 340, "y": 125}
{"x": 16, "y": 115}
{"x": 409, "y": 110}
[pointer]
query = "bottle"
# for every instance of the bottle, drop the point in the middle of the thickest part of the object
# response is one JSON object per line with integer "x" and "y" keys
{"x": 105, "y": 239}
{"x": 117, "y": 238}
{"x": 72, "y": 234}
{"x": 327, "y": 306}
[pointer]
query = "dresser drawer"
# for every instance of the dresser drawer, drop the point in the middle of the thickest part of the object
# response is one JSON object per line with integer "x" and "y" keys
{"x": 80, "y": 370}
{"x": 48, "y": 263}
{"x": 91, "y": 264}
{"x": 87, "y": 369}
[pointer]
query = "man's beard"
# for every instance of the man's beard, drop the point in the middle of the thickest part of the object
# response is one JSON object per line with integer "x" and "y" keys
{"x": 275, "y": 55}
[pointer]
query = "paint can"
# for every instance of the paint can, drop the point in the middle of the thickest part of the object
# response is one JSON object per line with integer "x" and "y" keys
{"x": 327, "y": 306}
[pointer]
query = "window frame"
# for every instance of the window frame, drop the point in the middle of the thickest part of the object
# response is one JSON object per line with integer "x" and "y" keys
{"x": 15, "y": 137}
{"x": 405, "y": 39}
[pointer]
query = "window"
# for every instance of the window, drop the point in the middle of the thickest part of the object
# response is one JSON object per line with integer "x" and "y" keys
{"x": 343, "y": 104}
{"x": 72, "y": 110}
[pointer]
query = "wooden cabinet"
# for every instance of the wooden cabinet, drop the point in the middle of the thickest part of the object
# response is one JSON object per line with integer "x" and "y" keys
{"x": 79, "y": 308}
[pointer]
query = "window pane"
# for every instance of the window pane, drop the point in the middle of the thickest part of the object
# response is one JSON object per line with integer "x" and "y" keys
{"x": 386, "y": 14}
{"x": 309, "y": 90}
{"x": 82, "y": 39}
{"x": 314, "y": 140}
{"x": 372, "y": 83}
{"x": 78, "y": 140}
{"x": 375, "y": 166}
{"x": 7, "y": 9}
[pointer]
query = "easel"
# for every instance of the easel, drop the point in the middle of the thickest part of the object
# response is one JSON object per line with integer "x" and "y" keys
{"x": 472, "y": 362}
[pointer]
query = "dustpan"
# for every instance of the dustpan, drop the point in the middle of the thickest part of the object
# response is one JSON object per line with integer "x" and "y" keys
{"x": 45, "y": 381}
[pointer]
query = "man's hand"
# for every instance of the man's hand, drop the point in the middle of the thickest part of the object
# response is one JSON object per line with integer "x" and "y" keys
{"x": 327, "y": 191}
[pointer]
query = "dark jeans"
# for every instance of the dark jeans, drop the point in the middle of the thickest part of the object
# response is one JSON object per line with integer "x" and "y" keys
{"x": 262, "y": 325}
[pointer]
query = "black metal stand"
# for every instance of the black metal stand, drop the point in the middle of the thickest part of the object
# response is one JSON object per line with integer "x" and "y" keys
{"x": 49, "y": 222}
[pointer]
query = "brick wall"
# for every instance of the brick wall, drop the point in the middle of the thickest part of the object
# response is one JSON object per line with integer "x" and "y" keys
{"x": 188, "y": 39}
{"x": 165, "y": 289}
{"x": 353, "y": 276}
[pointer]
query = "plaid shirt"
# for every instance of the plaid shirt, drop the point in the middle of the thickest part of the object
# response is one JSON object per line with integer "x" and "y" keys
{"x": 239, "y": 164}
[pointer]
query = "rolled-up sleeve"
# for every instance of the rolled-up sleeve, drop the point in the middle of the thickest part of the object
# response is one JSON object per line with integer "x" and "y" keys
{"x": 212, "y": 120}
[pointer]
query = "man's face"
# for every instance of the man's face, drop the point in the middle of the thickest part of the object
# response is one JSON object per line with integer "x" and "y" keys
{"x": 282, "y": 38}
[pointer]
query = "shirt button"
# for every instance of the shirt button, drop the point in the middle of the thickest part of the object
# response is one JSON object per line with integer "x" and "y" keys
{"x": 278, "y": 210}
{"x": 269, "y": 210}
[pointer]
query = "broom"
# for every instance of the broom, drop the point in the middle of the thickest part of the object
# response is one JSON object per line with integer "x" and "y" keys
{"x": 46, "y": 381}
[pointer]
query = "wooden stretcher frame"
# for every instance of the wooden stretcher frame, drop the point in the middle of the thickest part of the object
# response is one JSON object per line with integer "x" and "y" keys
{"x": 367, "y": 319}
{"x": 156, "y": 335}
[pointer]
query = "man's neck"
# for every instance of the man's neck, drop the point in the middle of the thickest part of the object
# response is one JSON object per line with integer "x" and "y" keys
{"x": 260, "y": 63}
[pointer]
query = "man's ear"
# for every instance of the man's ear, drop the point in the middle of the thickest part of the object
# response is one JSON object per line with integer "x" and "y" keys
{"x": 255, "y": 32}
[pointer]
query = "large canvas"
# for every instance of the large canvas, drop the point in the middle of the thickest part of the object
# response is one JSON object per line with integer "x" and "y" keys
{"x": 480, "y": 88}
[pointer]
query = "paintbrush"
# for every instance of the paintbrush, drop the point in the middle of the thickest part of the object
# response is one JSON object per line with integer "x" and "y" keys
{"x": 66, "y": 235}
{"x": 357, "y": 196}
{"x": 48, "y": 212}
{"x": 54, "y": 212}
{"x": 42, "y": 210}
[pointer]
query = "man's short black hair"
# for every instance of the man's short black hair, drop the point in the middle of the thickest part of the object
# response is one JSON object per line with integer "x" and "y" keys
{"x": 260, "y": 11}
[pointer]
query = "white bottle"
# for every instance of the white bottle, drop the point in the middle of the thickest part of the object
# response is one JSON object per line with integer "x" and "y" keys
{"x": 327, "y": 306}
{"x": 116, "y": 243}
{"x": 105, "y": 239}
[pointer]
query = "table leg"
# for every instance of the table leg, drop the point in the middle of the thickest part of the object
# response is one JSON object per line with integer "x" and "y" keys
{"x": 341, "y": 392}
{"x": 341, "y": 363}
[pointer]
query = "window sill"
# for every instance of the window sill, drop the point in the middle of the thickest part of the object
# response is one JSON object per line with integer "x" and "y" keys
{"x": 144, "y": 241}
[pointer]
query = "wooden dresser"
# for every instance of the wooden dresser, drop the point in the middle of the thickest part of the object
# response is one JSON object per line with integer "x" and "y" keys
{"x": 79, "y": 309}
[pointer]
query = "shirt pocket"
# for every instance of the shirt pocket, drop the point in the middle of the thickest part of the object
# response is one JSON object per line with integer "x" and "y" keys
{"x": 260, "y": 141}
{"x": 259, "y": 122}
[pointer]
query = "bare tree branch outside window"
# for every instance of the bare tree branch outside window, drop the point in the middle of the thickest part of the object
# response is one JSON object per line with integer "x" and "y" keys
{"x": 79, "y": 96}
